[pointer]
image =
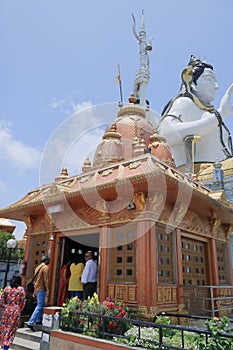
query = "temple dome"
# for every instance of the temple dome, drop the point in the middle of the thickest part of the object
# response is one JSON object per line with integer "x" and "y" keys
{"x": 161, "y": 149}
{"x": 129, "y": 136}
{"x": 110, "y": 149}
{"x": 118, "y": 141}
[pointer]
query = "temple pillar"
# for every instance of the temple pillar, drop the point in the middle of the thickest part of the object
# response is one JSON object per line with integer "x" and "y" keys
{"x": 180, "y": 289}
{"x": 26, "y": 259}
{"x": 50, "y": 250}
{"x": 143, "y": 265}
{"x": 153, "y": 266}
{"x": 213, "y": 262}
{"x": 103, "y": 263}
{"x": 229, "y": 264}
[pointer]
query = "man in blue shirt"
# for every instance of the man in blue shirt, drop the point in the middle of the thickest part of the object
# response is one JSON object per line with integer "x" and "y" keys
{"x": 89, "y": 276}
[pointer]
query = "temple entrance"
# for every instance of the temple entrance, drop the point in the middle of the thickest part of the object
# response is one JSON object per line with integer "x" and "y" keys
{"x": 72, "y": 247}
{"x": 77, "y": 246}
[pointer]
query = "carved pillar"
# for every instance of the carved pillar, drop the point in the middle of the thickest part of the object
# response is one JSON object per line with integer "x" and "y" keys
{"x": 213, "y": 266}
{"x": 29, "y": 223}
{"x": 180, "y": 291}
{"x": 153, "y": 265}
{"x": 26, "y": 258}
{"x": 229, "y": 264}
{"x": 50, "y": 250}
{"x": 103, "y": 263}
{"x": 229, "y": 238}
{"x": 189, "y": 146}
{"x": 143, "y": 265}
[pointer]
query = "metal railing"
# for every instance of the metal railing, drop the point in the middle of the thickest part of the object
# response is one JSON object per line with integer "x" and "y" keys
{"x": 210, "y": 300}
{"x": 162, "y": 329}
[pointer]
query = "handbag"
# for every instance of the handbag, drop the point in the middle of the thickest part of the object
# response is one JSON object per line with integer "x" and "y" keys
{"x": 30, "y": 288}
{"x": 30, "y": 285}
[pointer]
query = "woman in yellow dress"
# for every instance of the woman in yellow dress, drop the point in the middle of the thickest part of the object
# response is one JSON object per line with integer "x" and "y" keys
{"x": 75, "y": 286}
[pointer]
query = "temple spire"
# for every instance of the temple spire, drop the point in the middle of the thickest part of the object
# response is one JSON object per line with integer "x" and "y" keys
{"x": 142, "y": 75}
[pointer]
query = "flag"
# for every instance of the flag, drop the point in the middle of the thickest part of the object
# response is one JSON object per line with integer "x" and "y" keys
{"x": 118, "y": 77}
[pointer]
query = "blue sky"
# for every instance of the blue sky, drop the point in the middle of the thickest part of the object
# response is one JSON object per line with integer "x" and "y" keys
{"x": 60, "y": 56}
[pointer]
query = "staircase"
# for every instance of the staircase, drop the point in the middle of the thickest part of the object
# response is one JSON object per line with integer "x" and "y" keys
{"x": 25, "y": 339}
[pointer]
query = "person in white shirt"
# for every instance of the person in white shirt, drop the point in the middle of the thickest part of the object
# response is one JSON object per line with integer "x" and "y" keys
{"x": 89, "y": 276}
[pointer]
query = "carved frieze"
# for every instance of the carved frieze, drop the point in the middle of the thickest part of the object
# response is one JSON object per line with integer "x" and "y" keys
{"x": 134, "y": 165}
{"x": 153, "y": 310}
{"x": 132, "y": 296}
{"x": 107, "y": 172}
{"x": 111, "y": 291}
{"x": 215, "y": 225}
{"x": 228, "y": 229}
{"x": 123, "y": 292}
{"x": 139, "y": 200}
{"x": 167, "y": 295}
{"x": 84, "y": 179}
{"x": 143, "y": 310}
{"x": 101, "y": 206}
{"x": 195, "y": 223}
{"x": 156, "y": 202}
{"x": 29, "y": 223}
{"x": 122, "y": 216}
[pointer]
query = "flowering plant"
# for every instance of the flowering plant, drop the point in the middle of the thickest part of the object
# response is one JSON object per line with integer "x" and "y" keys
{"x": 94, "y": 318}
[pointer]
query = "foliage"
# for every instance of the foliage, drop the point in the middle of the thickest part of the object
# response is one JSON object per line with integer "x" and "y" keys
{"x": 149, "y": 336}
{"x": 16, "y": 254}
{"x": 94, "y": 325}
{"x": 216, "y": 342}
{"x": 192, "y": 341}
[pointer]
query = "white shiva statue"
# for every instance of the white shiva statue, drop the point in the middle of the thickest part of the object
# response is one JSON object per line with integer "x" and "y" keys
{"x": 193, "y": 128}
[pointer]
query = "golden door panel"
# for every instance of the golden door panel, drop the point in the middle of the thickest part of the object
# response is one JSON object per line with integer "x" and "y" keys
{"x": 38, "y": 249}
{"x": 222, "y": 263}
{"x": 165, "y": 251}
{"x": 123, "y": 255}
{"x": 194, "y": 262}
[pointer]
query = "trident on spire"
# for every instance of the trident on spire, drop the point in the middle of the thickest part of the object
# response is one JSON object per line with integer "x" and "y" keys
{"x": 142, "y": 75}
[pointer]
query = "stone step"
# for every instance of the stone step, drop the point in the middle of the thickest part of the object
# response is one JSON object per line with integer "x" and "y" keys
{"x": 25, "y": 339}
{"x": 28, "y": 334}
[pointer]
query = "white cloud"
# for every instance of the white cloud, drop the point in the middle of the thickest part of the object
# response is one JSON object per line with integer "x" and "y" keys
{"x": 75, "y": 139}
{"x": 17, "y": 155}
{"x": 68, "y": 105}
{"x": 3, "y": 187}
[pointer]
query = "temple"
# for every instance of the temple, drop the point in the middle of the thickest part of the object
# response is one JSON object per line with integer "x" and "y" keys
{"x": 159, "y": 236}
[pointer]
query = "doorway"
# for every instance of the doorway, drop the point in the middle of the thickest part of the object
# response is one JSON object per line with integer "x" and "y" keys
{"x": 75, "y": 247}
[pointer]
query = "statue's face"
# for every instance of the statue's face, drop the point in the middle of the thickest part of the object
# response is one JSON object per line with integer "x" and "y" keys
{"x": 206, "y": 86}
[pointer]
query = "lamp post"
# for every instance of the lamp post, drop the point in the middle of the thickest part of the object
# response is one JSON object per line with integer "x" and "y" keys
{"x": 11, "y": 244}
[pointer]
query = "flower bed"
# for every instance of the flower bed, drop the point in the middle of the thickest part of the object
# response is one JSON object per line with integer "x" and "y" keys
{"x": 110, "y": 320}
{"x": 192, "y": 339}
{"x": 91, "y": 317}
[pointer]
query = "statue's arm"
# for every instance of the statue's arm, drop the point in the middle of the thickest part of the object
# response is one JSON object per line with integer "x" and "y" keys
{"x": 185, "y": 118}
{"x": 225, "y": 107}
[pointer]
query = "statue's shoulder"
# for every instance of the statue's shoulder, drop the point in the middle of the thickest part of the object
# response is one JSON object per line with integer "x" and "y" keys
{"x": 181, "y": 109}
{"x": 184, "y": 106}
{"x": 182, "y": 102}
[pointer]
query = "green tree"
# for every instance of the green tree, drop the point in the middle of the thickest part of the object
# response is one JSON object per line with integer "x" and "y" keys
{"x": 16, "y": 254}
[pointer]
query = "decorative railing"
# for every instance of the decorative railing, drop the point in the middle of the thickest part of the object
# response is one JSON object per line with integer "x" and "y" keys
{"x": 210, "y": 300}
{"x": 84, "y": 324}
